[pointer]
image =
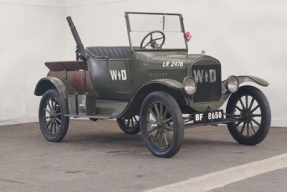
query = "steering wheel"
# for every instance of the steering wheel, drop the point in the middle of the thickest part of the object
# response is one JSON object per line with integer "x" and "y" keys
{"x": 152, "y": 42}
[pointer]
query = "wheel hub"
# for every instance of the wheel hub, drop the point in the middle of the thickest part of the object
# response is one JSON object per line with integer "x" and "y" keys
{"x": 160, "y": 125}
{"x": 246, "y": 115}
{"x": 52, "y": 114}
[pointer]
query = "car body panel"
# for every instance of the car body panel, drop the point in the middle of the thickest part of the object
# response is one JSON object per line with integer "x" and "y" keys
{"x": 119, "y": 86}
{"x": 60, "y": 84}
{"x": 170, "y": 86}
{"x": 258, "y": 80}
{"x": 148, "y": 87}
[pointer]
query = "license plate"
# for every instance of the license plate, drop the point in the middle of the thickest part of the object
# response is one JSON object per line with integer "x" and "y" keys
{"x": 207, "y": 116}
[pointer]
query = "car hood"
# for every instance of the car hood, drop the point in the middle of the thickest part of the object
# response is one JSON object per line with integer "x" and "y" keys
{"x": 170, "y": 59}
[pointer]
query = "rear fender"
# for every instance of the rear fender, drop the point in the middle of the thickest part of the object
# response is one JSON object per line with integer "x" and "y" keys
{"x": 174, "y": 88}
{"x": 61, "y": 85}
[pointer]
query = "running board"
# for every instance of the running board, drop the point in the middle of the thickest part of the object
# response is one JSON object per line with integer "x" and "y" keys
{"x": 105, "y": 109}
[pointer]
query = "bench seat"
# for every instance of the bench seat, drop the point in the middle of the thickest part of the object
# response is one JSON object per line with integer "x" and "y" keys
{"x": 110, "y": 52}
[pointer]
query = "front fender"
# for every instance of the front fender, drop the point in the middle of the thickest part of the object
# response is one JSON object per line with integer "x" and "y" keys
{"x": 253, "y": 79}
{"x": 172, "y": 87}
{"x": 60, "y": 84}
{"x": 242, "y": 79}
{"x": 169, "y": 83}
{"x": 248, "y": 78}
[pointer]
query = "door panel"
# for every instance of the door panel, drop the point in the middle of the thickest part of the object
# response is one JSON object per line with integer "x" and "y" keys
{"x": 120, "y": 79}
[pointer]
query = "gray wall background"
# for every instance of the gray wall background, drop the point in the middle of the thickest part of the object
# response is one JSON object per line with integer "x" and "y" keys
{"x": 248, "y": 37}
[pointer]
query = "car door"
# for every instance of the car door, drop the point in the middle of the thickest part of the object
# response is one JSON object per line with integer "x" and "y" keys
{"x": 120, "y": 78}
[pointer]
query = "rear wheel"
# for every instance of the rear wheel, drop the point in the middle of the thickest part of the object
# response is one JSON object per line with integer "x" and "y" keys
{"x": 93, "y": 119}
{"x": 250, "y": 108}
{"x": 53, "y": 123}
{"x": 129, "y": 125}
{"x": 161, "y": 124}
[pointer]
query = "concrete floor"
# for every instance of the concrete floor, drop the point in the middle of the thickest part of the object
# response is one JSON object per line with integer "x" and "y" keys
{"x": 98, "y": 156}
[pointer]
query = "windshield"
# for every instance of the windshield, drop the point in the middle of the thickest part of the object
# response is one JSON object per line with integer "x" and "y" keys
{"x": 156, "y": 31}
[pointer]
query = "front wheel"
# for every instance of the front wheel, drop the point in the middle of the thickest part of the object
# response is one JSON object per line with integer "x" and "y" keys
{"x": 53, "y": 123}
{"x": 251, "y": 110}
{"x": 161, "y": 124}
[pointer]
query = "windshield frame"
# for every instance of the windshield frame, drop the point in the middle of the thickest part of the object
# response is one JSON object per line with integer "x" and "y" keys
{"x": 150, "y": 13}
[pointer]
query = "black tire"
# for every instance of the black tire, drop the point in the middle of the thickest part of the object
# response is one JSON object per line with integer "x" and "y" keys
{"x": 250, "y": 107}
{"x": 129, "y": 125}
{"x": 93, "y": 119}
{"x": 159, "y": 117}
{"x": 53, "y": 123}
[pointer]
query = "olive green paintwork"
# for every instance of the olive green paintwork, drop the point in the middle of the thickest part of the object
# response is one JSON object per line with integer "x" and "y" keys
{"x": 257, "y": 80}
{"x": 63, "y": 87}
{"x": 138, "y": 72}
{"x": 145, "y": 74}
{"x": 170, "y": 86}
{"x": 246, "y": 79}
{"x": 225, "y": 94}
{"x": 154, "y": 65}
{"x": 142, "y": 69}
{"x": 243, "y": 79}
{"x": 121, "y": 85}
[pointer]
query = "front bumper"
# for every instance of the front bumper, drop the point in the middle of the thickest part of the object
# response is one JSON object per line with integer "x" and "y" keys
{"x": 223, "y": 121}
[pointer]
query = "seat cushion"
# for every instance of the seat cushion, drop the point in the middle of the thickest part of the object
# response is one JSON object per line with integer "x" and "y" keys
{"x": 109, "y": 52}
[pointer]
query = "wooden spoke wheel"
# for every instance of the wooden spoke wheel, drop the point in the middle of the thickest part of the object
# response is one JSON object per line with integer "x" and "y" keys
{"x": 53, "y": 123}
{"x": 251, "y": 110}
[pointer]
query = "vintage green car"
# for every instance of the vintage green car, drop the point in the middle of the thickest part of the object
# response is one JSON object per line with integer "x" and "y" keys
{"x": 152, "y": 86}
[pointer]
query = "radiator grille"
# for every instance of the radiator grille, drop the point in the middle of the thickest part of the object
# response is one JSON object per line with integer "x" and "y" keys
{"x": 208, "y": 78}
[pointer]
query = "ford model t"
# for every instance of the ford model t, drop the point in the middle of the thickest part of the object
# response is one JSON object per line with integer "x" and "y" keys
{"x": 152, "y": 86}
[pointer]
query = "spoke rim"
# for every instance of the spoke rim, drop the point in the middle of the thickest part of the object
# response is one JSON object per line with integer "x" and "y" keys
{"x": 130, "y": 123}
{"x": 52, "y": 116}
{"x": 160, "y": 129}
{"x": 248, "y": 115}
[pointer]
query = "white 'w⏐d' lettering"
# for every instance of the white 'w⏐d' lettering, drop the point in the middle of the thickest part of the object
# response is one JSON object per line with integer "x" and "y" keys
{"x": 124, "y": 74}
{"x": 212, "y": 75}
{"x": 113, "y": 74}
{"x": 118, "y": 74}
{"x": 208, "y": 76}
{"x": 198, "y": 75}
